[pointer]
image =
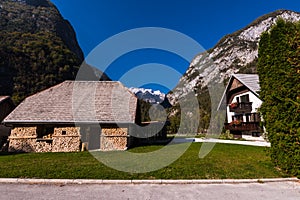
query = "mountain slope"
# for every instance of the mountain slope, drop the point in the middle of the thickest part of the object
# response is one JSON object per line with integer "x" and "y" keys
{"x": 38, "y": 48}
{"x": 235, "y": 53}
{"x": 33, "y": 16}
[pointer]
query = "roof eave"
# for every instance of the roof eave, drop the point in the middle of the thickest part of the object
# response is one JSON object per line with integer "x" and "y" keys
{"x": 27, "y": 122}
{"x": 224, "y": 93}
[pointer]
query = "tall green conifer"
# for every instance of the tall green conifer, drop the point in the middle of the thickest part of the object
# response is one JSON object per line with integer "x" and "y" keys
{"x": 279, "y": 73}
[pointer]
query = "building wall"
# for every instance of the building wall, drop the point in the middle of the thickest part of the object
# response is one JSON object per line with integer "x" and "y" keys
{"x": 235, "y": 84}
{"x": 256, "y": 103}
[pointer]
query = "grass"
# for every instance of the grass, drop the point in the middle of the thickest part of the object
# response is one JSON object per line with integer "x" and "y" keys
{"x": 223, "y": 162}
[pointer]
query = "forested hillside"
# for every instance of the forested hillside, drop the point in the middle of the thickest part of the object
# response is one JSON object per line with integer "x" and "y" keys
{"x": 38, "y": 48}
{"x": 32, "y": 62}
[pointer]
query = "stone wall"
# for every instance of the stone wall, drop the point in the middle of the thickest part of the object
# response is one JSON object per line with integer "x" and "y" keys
{"x": 114, "y": 139}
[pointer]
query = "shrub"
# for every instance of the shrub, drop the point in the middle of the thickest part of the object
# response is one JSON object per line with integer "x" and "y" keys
{"x": 279, "y": 76}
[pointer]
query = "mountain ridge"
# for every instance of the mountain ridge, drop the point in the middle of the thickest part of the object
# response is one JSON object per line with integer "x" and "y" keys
{"x": 149, "y": 95}
{"x": 38, "y": 49}
{"x": 234, "y": 53}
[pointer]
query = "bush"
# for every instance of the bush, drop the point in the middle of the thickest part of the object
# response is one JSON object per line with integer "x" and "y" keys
{"x": 279, "y": 74}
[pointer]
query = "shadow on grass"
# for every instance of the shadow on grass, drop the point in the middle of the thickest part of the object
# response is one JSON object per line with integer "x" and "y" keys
{"x": 145, "y": 143}
{"x": 10, "y": 153}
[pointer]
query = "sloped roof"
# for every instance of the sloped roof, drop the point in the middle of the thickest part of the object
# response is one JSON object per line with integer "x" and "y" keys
{"x": 251, "y": 81}
{"x": 78, "y": 102}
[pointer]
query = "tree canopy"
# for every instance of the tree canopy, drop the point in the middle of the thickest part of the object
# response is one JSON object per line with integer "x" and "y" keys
{"x": 32, "y": 62}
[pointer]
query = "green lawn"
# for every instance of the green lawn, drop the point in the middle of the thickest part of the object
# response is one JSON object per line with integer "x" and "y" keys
{"x": 223, "y": 162}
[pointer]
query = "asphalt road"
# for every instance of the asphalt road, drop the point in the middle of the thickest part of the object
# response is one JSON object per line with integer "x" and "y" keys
{"x": 251, "y": 191}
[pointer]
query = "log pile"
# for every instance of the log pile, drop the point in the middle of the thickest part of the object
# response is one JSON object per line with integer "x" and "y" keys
{"x": 23, "y": 132}
{"x": 21, "y": 145}
{"x": 114, "y": 139}
{"x": 66, "y": 131}
{"x": 28, "y": 145}
{"x": 121, "y": 132}
{"x": 24, "y": 139}
{"x": 43, "y": 146}
{"x": 66, "y": 139}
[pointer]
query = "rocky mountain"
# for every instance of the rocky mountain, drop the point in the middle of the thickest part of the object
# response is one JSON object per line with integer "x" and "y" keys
{"x": 149, "y": 95}
{"x": 235, "y": 53}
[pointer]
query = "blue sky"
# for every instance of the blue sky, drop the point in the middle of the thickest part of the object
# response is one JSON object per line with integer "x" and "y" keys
{"x": 205, "y": 21}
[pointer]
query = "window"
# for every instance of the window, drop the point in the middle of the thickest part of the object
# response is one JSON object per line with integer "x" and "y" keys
{"x": 245, "y": 98}
{"x": 64, "y": 132}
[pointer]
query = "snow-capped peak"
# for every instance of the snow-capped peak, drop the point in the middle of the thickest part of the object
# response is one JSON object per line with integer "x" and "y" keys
{"x": 149, "y": 95}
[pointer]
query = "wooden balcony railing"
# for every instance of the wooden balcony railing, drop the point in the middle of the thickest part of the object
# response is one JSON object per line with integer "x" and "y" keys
{"x": 241, "y": 107}
{"x": 243, "y": 126}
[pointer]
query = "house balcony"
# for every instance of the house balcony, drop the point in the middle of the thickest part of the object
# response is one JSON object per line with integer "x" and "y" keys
{"x": 243, "y": 126}
{"x": 241, "y": 107}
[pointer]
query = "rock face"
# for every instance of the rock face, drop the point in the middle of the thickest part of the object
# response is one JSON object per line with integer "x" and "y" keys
{"x": 33, "y": 16}
{"x": 235, "y": 53}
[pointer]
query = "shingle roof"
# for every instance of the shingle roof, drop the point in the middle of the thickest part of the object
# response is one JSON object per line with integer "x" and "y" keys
{"x": 79, "y": 102}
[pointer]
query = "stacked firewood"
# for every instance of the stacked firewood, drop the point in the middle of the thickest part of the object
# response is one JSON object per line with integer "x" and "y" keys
{"x": 66, "y": 139}
{"x": 114, "y": 139}
{"x": 66, "y": 144}
{"x": 21, "y": 145}
{"x": 114, "y": 131}
{"x": 23, "y": 132}
{"x": 43, "y": 147}
{"x": 67, "y": 131}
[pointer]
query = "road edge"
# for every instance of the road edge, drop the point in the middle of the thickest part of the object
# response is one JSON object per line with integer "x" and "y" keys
{"x": 135, "y": 181}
